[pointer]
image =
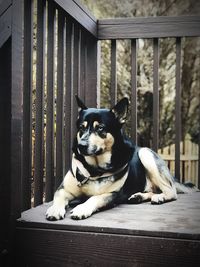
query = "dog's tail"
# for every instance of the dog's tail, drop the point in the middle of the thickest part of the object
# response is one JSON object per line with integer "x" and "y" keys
{"x": 186, "y": 187}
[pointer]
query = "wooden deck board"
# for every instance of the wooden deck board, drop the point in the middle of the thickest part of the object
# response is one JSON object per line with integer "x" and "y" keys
{"x": 127, "y": 235}
{"x": 177, "y": 219}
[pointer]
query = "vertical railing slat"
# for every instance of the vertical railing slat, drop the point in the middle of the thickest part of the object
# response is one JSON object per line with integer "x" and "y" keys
{"x": 198, "y": 168}
{"x": 82, "y": 65}
{"x": 155, "y": 94}
{"x": 113, "y": 93}
{"x": 178, "y": 109}
{"x": 79, "y": 62}
{"x": 39, "y": 122}
{"x": 59, "y": 100}
{"x": 134, "y": 90}
{"x": 27, "y": 105}
{"x": 76, "y": 58}
{"x": 50, "y": 104}
{"x": 91, "y": 72}
{"x": 68, "y": 85}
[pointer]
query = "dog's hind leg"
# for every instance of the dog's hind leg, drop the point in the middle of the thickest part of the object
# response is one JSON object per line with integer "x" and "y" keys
{"x": 159, "y": 176}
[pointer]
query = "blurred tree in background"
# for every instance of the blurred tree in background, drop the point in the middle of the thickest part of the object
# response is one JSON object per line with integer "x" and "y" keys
{"x": 190, "y": 82}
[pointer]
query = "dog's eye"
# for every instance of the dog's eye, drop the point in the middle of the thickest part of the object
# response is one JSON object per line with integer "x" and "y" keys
{"x": 100, "y": 128}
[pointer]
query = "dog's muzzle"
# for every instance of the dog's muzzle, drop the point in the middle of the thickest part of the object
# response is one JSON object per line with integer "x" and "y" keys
{"x": 86, "y": 150}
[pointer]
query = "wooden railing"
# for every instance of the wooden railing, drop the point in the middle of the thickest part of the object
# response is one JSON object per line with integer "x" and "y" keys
{"x": 63, "y": 60}
{"x": 63, "y": 63}
{"x": 154, "y": 28}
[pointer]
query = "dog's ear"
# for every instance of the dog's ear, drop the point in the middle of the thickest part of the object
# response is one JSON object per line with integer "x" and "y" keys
{"x": 80, "y": 104}
{"x": 121, "y": 109}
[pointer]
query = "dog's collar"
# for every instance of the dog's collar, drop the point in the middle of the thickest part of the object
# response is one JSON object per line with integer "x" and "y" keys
{"x": 83, "y": 176}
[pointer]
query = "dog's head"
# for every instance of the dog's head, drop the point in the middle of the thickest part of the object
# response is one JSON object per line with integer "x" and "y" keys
{"x": 99, "y": 128}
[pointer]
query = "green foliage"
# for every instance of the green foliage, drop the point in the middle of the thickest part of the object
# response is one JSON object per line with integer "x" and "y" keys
{"x": 190, "y": 82}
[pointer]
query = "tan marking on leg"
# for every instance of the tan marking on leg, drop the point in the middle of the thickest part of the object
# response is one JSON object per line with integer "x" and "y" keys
{"x": 62, "y": 197}
{"x": 70, "y": 185}
{"x": 158, "y": 181}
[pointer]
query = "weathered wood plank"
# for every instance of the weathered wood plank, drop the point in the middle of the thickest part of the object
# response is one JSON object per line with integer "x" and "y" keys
{"x": 4, "y": 5}
{"x": 68, "y": 90}
{"x": 177, "y": 219}
{"x": 149, "y": 27}
{"x": 66, "y": 248}
{"x": 113, "y": 86}
{"x": 39, "y": 122}
{"x": 178, "y": 109}
{"x": 59, "y": 100}
{"x": 50, "y": 103}
{"x": 76, "y": 76}
{"x": 134, "y": 90}
{"x": 155, "y": 94}
{"x": 27, "y": 105}
{"x": 92, "y": 72}
{"x": 80, "y": 14}
{"x": 16, "y": 108}
{"x": 5, "y": 26}
{"x": 5, "y": 152}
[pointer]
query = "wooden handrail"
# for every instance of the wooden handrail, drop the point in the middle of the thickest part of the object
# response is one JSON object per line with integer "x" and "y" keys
{"x": 148, "y": 27}
{"x": 80, "y": 14}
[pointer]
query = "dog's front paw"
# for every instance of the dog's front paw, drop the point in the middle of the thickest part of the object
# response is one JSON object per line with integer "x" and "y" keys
{"x": 81, "y": 212}
{"x": 157, "y": 199}
{"x": 55, "y": 213}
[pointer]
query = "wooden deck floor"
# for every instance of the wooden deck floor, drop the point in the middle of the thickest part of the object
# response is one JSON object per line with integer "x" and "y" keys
{"x": 128, "y": 235}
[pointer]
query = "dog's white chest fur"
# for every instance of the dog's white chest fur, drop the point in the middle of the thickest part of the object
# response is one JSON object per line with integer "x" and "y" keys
{"x": 97, "y": 185}
{"x": 104, "y": 186}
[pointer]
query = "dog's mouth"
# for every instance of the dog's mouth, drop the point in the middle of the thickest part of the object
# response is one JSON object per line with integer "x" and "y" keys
{"x": 89, "y": 151}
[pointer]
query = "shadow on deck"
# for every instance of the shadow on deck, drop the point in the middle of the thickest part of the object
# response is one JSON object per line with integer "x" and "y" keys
{"x": 128, "y": 235}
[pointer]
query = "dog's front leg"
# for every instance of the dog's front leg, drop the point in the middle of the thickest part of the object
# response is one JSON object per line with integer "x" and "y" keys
{"x": 92, "y": 205}
{"x": 62, "y": 197}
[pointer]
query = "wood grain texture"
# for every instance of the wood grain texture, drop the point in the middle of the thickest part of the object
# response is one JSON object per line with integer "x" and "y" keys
{"x": 60, "y": 100}
{"x": 68, "y": 91}
{"x": 91, "y": 76}
{"x": 113, "y": 85}
{"x": 39, "y": 103}
{"x": 5, "y": 118}
{"x": 156, "y": 114}
{"x": 27, "y": 105}
{"x": 178, "y": 109}
{"x": 134, "y": 99}
{"x": 127, "y": 235}
{"x": 4, "y": 5}
{"x": 5, "y": 26}
{"x": 16, "y": 107}
{"x": 66, "y": 248}
{"x": 149, "y": 27}
{"x": 50, "y": 140}
{"x": 177, "y": 219}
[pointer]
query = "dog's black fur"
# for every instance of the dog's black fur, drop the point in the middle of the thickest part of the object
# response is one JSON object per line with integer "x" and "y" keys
{"x": 108, "y": 168}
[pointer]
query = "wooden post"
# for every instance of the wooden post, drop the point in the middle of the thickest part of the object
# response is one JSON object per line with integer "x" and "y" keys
{"x": 15, "y": 119}
{"x": 16, "y": 107}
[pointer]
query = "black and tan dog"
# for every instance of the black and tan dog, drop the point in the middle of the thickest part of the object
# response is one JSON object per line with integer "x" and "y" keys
{"x": 109, "y": 169}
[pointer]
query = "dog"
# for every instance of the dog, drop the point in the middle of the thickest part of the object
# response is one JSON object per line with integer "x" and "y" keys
{"x": 108, "y": 169}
